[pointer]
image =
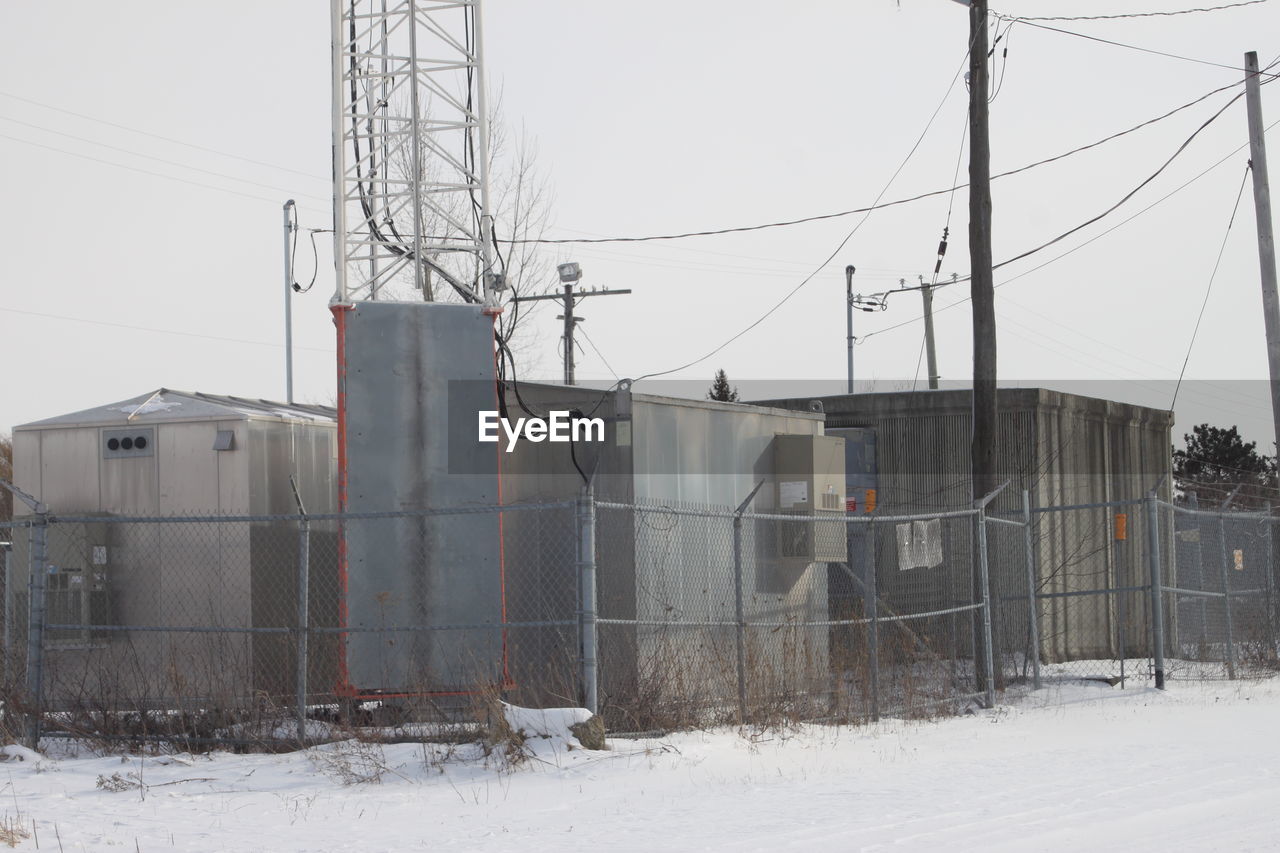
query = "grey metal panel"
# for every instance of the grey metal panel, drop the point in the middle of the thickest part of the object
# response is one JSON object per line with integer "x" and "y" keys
{"x": 27, "y": 467}
{"x": 708, "y": 453}
{"x": 68, "y": 468}
{"x": 417, "y": 375}
{"x": 189, "y": 469}
{"x": 128, "y": 441}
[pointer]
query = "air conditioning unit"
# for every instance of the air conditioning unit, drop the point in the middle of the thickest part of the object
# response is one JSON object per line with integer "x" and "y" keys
{"x": 77, "y": 573}
{"x": 809, "y": 480}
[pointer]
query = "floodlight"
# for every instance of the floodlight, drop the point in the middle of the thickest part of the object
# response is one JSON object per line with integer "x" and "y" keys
{"x": 569, "y": 273}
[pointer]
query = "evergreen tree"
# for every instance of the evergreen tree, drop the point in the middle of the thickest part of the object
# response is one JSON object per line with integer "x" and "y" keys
{"x": 720, "y": 389}
{"x": 1216, "y": 461}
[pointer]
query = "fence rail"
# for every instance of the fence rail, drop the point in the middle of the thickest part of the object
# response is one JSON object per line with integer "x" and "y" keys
{"x": 652, "y": 614}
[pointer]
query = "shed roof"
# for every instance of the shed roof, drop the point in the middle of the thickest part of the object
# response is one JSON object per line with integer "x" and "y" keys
{"x": 168, "y": 406}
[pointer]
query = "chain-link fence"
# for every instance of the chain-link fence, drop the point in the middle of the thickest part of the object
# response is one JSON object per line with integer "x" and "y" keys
{"x": 655, "y": 616}
{"x": 1083, "y": 605}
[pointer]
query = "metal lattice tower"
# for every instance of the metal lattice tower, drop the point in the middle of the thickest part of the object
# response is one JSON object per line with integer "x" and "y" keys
{"x": 410, "y": 151}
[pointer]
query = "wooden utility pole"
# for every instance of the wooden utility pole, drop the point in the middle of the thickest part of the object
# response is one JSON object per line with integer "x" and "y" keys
{"x": 568, "y": 300}
{"x": 1266, "y": 237}
{"x": 931, "y": 352}
{"x": 981, "y": 284}
{"x": 983, "y": 449}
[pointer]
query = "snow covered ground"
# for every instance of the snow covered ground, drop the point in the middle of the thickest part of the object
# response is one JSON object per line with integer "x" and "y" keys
{"x": 1076, "y": 766}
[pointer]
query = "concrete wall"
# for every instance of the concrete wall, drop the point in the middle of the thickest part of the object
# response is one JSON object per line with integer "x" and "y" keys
{"x": 1063, "y": 449}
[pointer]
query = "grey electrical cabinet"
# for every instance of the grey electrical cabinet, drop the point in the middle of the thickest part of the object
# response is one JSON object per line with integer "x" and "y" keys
{"x": 810, "y": 481}
{"x": 77, "y": 576}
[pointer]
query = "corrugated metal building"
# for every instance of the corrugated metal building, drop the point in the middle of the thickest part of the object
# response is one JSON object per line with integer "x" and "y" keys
{"x": 657, "y": 567}
{"x": 1064, "y": 449}
{"x": 173, "y": 453}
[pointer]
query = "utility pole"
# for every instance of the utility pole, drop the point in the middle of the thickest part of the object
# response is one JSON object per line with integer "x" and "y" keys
{"x": 848, "y": 304}
{"x": 983, "y": 449}
{"x": 1266, "y": 237}
{"x": 981, "y": 283}
{"x": 288, "y": 300}
{"x": 931, "y": 352}
{"x": 569, "y": 274}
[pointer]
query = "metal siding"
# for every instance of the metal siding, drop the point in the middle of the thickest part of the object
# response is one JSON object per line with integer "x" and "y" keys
{"x": 130, "y": 486}
{"x": 28, "y": 468}
{"x": 69, "y": 469}
{"x": 233, "y": 470}
{"x": 699, "y": 454}
{"x": 410, "y": 367}
{"x": 188, "y": 472}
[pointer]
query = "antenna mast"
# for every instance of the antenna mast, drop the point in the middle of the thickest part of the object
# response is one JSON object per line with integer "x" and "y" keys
{"x": 411, "y": 214}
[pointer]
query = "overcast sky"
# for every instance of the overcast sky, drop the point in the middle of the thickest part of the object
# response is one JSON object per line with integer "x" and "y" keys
{"x": 133, "y": 261}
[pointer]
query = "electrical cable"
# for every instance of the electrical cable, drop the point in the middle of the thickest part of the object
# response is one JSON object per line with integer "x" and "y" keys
{"x": 878, "y": 206}
{"x": 840, "y": 246}
{"x": 1131, "y": 193}
{"x": 942, "y": 245}
{"x": 1144, "y": 14}
{"x": 919, "y": 359}
{"x": 1074, "y": 249}
{"x": 1004, "y": 59}
{"x": 315, "y": 256}
{"x": 1114, "y": 43}
{"x": 178, "y": 332}
{"x": 176, "y": 163}
{"x": 168, "y": 139}
{"x": 1209, "y": 289}
{"x": 216, "y": 188}
{"x": 596, "y": 349}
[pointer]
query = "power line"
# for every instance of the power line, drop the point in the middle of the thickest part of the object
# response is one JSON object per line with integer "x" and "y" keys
{"x": 842, "y": 243}
{"x": 1177, "y": 152}
{"x": 1074, "y": 249}
{"x": 878, "y": 206}
{"x": 1208, "y": 290}
{"x": 1144, "y": 14}
{"x": 159, "y": 159}
{"x": 1127, "y": 196}
{"x": 152, "y": 329}
{"x": 1125, "y": 45}
{"x": 275, "y": 201}
{"x": 597, "y": 352}
{"x": 168, "y": 139}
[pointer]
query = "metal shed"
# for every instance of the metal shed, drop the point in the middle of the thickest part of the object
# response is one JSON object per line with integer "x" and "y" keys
{"x": 665, "y": 578}
{"x": 173, "y": 454}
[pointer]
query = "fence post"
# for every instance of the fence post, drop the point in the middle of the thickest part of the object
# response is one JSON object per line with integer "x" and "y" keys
{"x": 1270, "y": 578}
{"x": 587, "y": 626}
{"x": 304, "y": 622}
{"x": 1226, "y": 596}
{"x": 36, "y": 578}
{"x": 871, "y": 593}
{"x": 989, "y": 674}
{"x": 739, "y": 605}
{"x": 1033, "y": 615}
{"x": 1151, "y": 510}
{"x": 8, "y": 608}
{"x": 739, "y": 610}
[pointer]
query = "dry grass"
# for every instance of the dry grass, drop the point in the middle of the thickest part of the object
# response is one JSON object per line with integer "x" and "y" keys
{"x": 12, "y": 830}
